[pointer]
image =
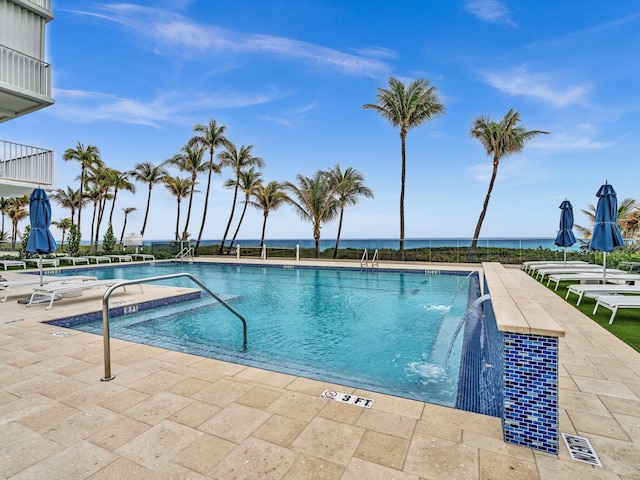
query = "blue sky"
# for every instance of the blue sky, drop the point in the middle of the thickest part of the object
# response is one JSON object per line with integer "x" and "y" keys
{"x": 290, "y": 77}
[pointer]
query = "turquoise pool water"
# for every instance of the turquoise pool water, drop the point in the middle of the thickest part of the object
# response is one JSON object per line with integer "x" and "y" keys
{"x": 382, "y": 331}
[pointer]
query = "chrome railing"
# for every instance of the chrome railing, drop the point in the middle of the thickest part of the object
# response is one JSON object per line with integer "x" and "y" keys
{"x": 25, "y": 72}
{"x": 105, "y": 313}
{"x": 25, "y": 163}
{"x": 187, "y": 253}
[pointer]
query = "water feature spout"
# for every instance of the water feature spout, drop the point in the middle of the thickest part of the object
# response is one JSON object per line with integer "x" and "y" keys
{"x": 472, "y": 307}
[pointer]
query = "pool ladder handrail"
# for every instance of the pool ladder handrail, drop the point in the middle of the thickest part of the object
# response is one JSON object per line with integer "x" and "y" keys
{"x": 364, "y": 261}
{"x": 105, "y": 313}
{"x": 186, "y": 252}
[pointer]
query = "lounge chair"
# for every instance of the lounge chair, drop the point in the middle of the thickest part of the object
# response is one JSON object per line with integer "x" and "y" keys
{"x": 596, "y": 291}
{"x": 143, "y": 256}
{"x": 9, "y": 284}
{"x": 121, "y": 258}
{"x": 592, "y": 277}
{"x": 70, "y": 289}
{"x": 54, "y": 262}
{"x": 543, "y": 272}
{"x": 629, "y": 266}
{"x": 13, "y": 263}
{"x": 75, "y": 260}
{"x": 100, "y": 258}
{"x": 530, "y": 266}
{"x": 615, "y": 302}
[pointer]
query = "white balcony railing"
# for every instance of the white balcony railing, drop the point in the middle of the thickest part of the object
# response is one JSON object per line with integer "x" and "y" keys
{"x": 24, "y": 163}
{"x": 46, "y": 4}
{"x": 23, "y": 71}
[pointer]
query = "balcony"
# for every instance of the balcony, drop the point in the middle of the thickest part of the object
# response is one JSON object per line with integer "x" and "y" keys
{"x": 23, "y": 168}
{"x": 25, "y": 84}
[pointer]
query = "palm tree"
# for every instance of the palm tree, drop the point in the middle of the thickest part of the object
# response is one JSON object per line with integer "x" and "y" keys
{"x": 499, "y": 139}
{"x": 406, "y": 107}
{"x": 63, "y": 224}
{"x": 211, "y": 137}
{"x": 119, "y": 181}
{"x": 68, "y": 198}
{"x": 179, "y": 188}
{"x": 100, "y": 181}
{"x": 315, "y": 202}
{"x": 94, "y": 195}
{"x": 150, "y": 174}
{"x": 347, "y": 186}
{"x": 190, "y": 160}
{"x": 126, "y": 211}
{"x": 249, "y": 182}
{"x": 238, "y": 160}
{"x": 17, "y": 212}
{"x": 627, "y": 219}
{"x": 268, "y": 198}
{"x": 4, "y": 209}
{"x": 88, "y": 157}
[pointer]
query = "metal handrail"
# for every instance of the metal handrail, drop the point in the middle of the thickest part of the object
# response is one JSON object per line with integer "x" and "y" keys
{"x": 188, "y": 252}
{"x": 364, "y": 261}
{"x": 374, "y": 260}
{"x": 105, "y": 313}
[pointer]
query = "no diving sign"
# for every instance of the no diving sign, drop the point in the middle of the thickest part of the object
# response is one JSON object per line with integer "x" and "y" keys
{"x": 347, "y": 398}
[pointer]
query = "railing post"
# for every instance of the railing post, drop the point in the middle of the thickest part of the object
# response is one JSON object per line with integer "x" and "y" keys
{"x": 238, "y": 251}
{"x": 263, "y": 255}
{"x": 297, "y": 253}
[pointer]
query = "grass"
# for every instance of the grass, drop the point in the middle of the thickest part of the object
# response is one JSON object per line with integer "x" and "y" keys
{"x": 625, "y": 326}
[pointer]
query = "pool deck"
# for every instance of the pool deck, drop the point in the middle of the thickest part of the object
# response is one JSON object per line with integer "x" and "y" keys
{"x": 175, "y": 415}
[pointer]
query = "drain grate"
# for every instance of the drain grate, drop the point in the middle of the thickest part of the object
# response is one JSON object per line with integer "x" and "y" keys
{"x": 581, "y": 449}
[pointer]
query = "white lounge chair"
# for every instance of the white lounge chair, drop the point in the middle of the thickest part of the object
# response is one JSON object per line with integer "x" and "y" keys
{"x": 530, "y": 266}
{"x": 54, "y": 262}
{"x": 9, "y": 284}
{"x": 121, "y": 258}
{"x": 75, "y": 260}
{"x": 100, "y": 258}
{"x": 615, "y": 302}
{"x": 13, "y": 263}
{"x": 143, "y": 256}
{"x": 599, "y": 290}
{"x": 592, "y": 277}
{"x": 542, "y": 272}
{"x": 70, "y": 289}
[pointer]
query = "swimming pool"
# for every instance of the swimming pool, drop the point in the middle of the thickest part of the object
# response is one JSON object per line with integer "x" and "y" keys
{"x": 383, "y": 331}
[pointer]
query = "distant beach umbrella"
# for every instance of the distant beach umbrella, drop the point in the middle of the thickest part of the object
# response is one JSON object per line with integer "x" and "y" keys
{"x": 606, "y": 235}
{"x": 565, "y": 237}
{"x": 40, "y": 239}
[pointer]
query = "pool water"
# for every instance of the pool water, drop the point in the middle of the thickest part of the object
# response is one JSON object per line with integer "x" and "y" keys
{"x": 381, "y": 331}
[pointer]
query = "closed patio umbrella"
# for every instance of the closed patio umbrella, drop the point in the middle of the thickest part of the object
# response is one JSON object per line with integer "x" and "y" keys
{"x": 40, "y": 240}
{"x": 565, "y": 237}
{"x": 606, "y": 235}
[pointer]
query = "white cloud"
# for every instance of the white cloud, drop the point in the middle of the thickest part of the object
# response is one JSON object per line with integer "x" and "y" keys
{"x": 84, "y": 106}
{"x": 493, "y": 11}
{"x": 167, "y": 32}
{"x": 520, "y": 81}
{"x": 567, "y": 143}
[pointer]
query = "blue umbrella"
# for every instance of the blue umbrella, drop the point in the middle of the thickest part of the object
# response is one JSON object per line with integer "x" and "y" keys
{"x": 565, "y": 237}
{"x": 606, "y": 235}
{"x": 40, "y": 240}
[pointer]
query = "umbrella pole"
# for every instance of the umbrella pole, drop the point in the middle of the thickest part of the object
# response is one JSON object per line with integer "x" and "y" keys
{"x": 604, "y": 267}
{"x": 565, "y": 256}
{"x": 40, "y": 265}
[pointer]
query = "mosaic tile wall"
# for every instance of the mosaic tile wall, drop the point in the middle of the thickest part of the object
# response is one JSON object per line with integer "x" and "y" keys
{"x": 530, "y": 416}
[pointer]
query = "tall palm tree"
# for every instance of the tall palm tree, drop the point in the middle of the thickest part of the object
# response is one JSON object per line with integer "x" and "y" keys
{"x": 99, "y": 181}
{"x": 94, "y": 195}
{"x": 406, "y": 107}
{"x": 119, "y": 181}
{"x": 17, "y": 211}
{"x": 150, "y": 174}
{"x": 179, "y": 188}
{"x": 499, "y": 139}
{"x": 63, "y": 224}
{"x": 126, "y": 211}
{"x": 190, "y": 160}
{"x": 238, "y": 160}
{"x": 210, "y": 136}
{"x": 68, "y": 198}
{"x": 347, "y": 186}
{"x": 315, "y": 202}
{"x": 249, "y": 182}
{"x": 268, "y": 198}
{"x": 88, "y": 157}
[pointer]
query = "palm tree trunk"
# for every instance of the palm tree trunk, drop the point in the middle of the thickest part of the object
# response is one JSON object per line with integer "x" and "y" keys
{"x": 233, "y": 208}
{"x": 403, "y": 135}
{"x": 316, "y": 237}
{"x": 124, "y": 226}
{"x": 178, "y": 221}
{"x": 244, "y": 210}
{"x": 206, "y": 203}
{"x": 476, "y": 234}
{"x": 335, "y": 251}
{"x": 115, "y": 194}
{"x": 186, "y": 224}
{"x": 81, "y": 198}
{"x": 264, "y": 228}
{"x": 146, "y": 213}
{"x": 93, "y": 223}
